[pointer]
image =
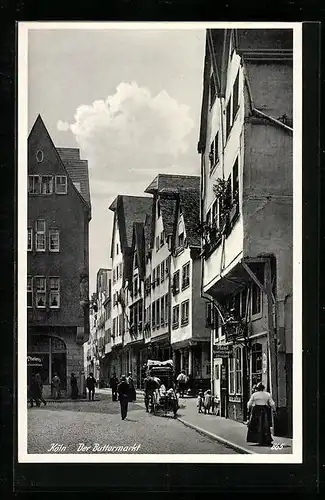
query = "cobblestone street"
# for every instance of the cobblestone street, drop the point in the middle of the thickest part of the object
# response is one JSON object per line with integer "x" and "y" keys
{"x": 99, "y": 422}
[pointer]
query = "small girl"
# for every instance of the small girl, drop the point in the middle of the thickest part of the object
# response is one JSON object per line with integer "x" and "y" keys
{"x": 207, "y": 401}
{"x": 200, "y": 401}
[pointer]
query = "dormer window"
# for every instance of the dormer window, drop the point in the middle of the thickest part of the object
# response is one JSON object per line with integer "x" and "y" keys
{"x": 181, "y": 239}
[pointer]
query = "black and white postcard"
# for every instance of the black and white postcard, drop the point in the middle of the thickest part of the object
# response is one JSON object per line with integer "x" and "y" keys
{"x": 159, "y": 242}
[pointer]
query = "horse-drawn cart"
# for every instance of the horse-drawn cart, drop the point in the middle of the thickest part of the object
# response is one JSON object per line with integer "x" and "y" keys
{"x": 160, "y": 395}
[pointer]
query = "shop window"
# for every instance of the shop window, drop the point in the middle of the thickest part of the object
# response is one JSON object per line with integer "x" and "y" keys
{"x": 61, "y": 184}
{"x": 185, "y": 313}
{"x": 40, "y": 292}
{"x": 40, "y": 235}
{"x": 29, "y": 239}
{"x": 238, "y": 370}
{"x": 47, "y": 184}
{"x": 256, "y": 363}
{"x": 186, "y": 275}
{"x": 29, "y": 291}
{"x": 175, "y": 317}
{"x": 54, "y": 240}
{"x": 34, "y": 184}
{"x": 232, "y": 375}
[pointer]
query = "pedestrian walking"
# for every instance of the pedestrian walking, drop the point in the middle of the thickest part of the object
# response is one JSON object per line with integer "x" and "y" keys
{"x": 113, "y": 382}
{"x": 132, "y": 391}
{"x": 74, "y": 386}
{"x": 39, "y": 381}
{"x": 56, "y": 385}
{"x": 91, "y": 384}
{"x": 200, "y": 401}
{"x": 34, "y": 392}
{"x": 261, "y": 405}
{"x": 123, "y": 395}
{"x": 181, "y": 383}
{"x": 207, "y": 401}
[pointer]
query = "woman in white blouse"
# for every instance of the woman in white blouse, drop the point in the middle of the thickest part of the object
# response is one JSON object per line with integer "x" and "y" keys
{"x": 261, "y": 405}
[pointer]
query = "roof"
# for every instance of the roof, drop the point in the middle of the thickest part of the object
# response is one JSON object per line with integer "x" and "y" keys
{"x": 189, "y": 200}
{"x": 77, "y": 170}
{"x": 166, "y": 181}
{"x": 130, "y": 209}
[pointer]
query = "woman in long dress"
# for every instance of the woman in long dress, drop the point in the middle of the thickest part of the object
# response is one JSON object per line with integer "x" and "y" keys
{"x": 261, "y": 406}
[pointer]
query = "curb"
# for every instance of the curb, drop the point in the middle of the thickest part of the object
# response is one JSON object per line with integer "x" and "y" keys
{"x": 221, "y": 440}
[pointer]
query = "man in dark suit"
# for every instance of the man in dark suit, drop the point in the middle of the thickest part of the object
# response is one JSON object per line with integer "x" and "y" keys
{"x": 91, "y": 384}
{"x": 123, "y": 390}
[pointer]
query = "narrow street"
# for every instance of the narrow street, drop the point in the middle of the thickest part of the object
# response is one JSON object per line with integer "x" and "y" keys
{"x": 61, "y": 427}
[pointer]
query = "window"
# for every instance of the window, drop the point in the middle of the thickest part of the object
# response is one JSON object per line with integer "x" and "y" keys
{"x": 256, "y": 299}
{"x": 166, "y": 308}
{"x": 153, "y": 314}
{"x": 162, "y": 311}
{"x": 154, "y": 278}
{"x": 29, "y": 291}
{"x": 215, "y": 212}
{"x": 34, "y": 184}
{"x": 47, "y": 184}
{"x": 235, "y": 98}
{"x": 157, "y": 313}
{"x": 228, "y": 118}
{"x": 176, "y": 278}
{"x": 214, "y": 152}
{"x": 39, "y": 156}
{"x": 162, "y": 271}
{"x": 54, "y": 240}
{"x": 181, "y": 239}
{"x": 135, "y": 286}
{"x": 235, "y": 183}
{"x": 29, "y": 239}
{"x": 167, "y": 266}
{"x": 114, "y": 276}
{"x": 256, "y": 363}
{"x": 117, "y": 272}
{"x": 185, "y": 312}
{"x": 114, "y": 327}
{"x": 121, "y": 324}
{"x": 40, "y": 235}
{"x": 157, "y": 243}
{"x": 162, "y": 238}
{"x": 158, "y": 274}
{"x": 40, "y": 292}
{"x": 117, "y": 249}
{"x": 175, "y": 317}
{"x": 186, "y": 276}
{"x": 238, "y": 370}
{"x": 54, "y": 298}
{"x": 213, "y": 90}
{"x": 61, "y": 184}
{"x": 208, "y": 216}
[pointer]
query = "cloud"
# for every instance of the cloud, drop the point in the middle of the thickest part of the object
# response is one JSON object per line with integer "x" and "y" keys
{"x": 62, "y": 126}
{"x": 131, "y": 133}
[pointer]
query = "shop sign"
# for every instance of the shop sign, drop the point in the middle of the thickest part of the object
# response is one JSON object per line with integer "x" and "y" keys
{"x": 235, "y": 399}
{"x": 34, "y": 361}
{"x": 222, "y": 351}
{"x": 264, "y": 363}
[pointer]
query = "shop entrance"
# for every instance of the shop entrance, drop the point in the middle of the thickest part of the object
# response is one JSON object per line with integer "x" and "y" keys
{"x": 53, "y": 354}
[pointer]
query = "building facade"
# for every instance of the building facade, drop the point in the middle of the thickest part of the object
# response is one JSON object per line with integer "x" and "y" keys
{"x": 246, "y": 190}
{"x": 58, "y": 259}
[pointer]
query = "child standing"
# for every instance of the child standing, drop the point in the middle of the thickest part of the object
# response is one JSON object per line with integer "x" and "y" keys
{"x": 200, "y": 401}
{"x": 207, "y": 401}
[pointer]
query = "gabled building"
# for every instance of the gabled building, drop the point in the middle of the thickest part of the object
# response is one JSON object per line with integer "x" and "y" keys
{"x": 127, "y": 211}
{"x": 246, "y": 168}
{"x": 103, "y": 324}
{"x": 59, "y": 212}
{"x": 190, "y": 336}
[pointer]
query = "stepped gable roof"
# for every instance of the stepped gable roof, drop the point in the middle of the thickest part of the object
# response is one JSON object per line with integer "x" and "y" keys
{"x": 77, "y": 170}
{"x": 189, "y": 200}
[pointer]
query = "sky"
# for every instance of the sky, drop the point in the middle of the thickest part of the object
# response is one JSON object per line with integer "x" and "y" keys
{"x": 129, "y": 99}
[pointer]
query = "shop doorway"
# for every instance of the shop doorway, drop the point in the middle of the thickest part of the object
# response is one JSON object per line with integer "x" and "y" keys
{"x": 53, "y": 354}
